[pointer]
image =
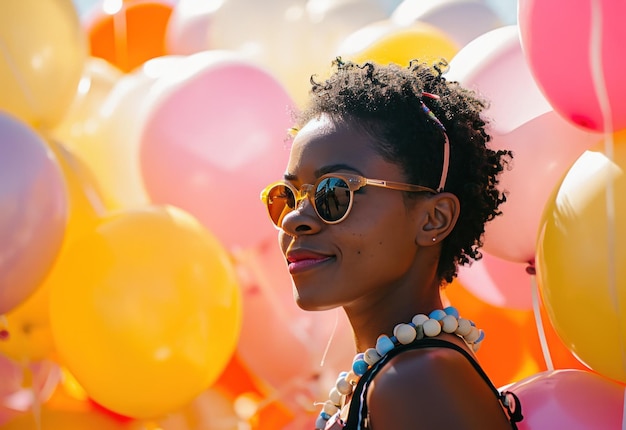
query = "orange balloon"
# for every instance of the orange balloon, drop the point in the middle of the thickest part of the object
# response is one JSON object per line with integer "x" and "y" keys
{"x": 504, "y": 355}
{"x": 146, "y": 313}
{"x": 48, "y": 419}
{"x": 131, "y": 35}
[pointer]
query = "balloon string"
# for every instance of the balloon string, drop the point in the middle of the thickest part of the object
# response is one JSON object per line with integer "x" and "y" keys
{"x": 599, "y": 85}
{"x": 330, "y": 339}
{"x": 120, "y": 35}
{"x": 23, "y": 85}
{"x": 539, "y": 323}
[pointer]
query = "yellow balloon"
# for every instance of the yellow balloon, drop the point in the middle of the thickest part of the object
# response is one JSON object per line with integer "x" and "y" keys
{"x": 384, "y": 42}
{"x": 42, "y": 52}
{"x": 149, "y": 312}
{"x": 581, "y": 252}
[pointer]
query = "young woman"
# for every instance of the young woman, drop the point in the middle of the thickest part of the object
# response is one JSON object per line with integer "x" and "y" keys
{"x": 387, "y": 189}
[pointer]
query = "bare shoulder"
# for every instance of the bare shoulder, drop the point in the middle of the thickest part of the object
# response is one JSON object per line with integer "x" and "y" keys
{"x": 433, "y": 388}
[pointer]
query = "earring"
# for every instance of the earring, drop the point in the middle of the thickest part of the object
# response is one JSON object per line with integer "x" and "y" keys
{"x": 434, "y": 239}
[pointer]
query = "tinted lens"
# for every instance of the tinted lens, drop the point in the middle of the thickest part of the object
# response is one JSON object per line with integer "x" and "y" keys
{"x": 280, "y": 201}
{"x": 332, "y": 199}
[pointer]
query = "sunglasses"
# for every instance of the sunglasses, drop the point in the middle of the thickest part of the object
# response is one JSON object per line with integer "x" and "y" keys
{"x": 331, "y": 196}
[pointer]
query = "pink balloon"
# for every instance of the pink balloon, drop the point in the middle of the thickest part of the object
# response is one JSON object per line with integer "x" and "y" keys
{"x": 274, "y": 326}
{"x": 214, "y": 136}
{"x": 494, "y": 65}
{"x": 33, "y": 211}
{"x": 544, "y": 148}
{"x": 562, "y": 51}
{"x": 498, "y": 282}
{"x": 569, "y": 399}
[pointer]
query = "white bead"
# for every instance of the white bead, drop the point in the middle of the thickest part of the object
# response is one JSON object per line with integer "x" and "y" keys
{"x": 419, "y": 319}
{"x": 449, "y": 324}
{"x": 330, "y": 408}
{"x": 343, "y": 386}
{"x": 431, "y": 328}
{"x": 473, "y": 335}
{"x": 404, "y": 333}
{"x": 335, "y": 396}
{"x": 371, "y": 356}
{"x": 465, "y": 326}
{"x": 352, "y": 377}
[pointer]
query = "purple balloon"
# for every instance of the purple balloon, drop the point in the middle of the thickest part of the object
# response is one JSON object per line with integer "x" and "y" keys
{"x": 33, "y": 211}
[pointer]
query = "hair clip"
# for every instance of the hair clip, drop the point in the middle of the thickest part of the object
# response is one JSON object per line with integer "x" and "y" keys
{"x": 446, "y": 144}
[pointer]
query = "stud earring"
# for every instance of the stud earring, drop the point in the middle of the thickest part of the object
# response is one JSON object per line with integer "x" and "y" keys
{"x": 434, "y": 239}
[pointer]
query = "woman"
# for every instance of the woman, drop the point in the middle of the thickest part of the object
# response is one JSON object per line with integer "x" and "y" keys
{"x": 387, "y": 189}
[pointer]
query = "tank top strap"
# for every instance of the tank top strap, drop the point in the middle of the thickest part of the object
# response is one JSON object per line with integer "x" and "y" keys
{"x": 358, "y": 412}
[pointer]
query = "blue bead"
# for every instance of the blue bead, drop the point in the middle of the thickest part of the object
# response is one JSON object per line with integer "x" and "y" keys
{"x": 481, "y": 337}
{"x": 437, "y": 314}
{"x": 325, "y": 415}
{"x": 384, "y": 345}
{"x": 360, "y": 367}
{"x": 451, "y": 310}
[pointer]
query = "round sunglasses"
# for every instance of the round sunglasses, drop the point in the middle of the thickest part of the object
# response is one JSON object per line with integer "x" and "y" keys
{"x": 331, "y": 195}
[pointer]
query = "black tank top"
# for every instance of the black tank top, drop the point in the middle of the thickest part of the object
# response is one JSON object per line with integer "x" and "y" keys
{"x": 358, "y": 412}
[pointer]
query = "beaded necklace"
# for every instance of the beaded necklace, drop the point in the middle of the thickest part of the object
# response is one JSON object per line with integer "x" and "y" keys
{"x": 440, "y": 320}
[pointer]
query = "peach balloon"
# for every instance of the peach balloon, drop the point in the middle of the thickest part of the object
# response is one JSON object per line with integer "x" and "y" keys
{"x": 42, "y": 54}
{"x": 33, "y": 211}
{"x": 273, "y": 326}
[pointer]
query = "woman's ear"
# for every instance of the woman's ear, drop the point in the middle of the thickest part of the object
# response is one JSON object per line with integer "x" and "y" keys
{"x": 438, "y": 217}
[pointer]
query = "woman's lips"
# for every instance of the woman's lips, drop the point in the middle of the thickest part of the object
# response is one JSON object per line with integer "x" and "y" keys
{"x": 300, "y": 260}
{"x": 297, "y": 266}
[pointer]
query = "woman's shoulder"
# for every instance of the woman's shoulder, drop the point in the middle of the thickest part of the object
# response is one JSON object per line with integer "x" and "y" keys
{"x": 437, "y": 387}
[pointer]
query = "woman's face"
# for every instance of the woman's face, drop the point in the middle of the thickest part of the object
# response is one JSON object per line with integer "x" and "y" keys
{"x": 358, "y": 260}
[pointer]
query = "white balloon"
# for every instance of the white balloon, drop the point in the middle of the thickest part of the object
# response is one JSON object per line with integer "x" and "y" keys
{"x": 462, "y": 20}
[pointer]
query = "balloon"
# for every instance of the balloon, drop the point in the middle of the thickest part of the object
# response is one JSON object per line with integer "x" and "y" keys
{"x": 98, "y": 77}
{"x": 580, "y": 251}
{"x": 50, "y": 419}
{"x": 149, "y": 312}
{"x": 24, "y": 387}
{"x": 187, "y": 30}
{"x": 42, "y": 53}
{"x": 385, "y": 42}
{"x": 569, "y": 399}
{"x": 214, "y": 136}
{"x": 494, "y": 65}
{"x": 111, "y": 149}
{"x": 28, "y": 324}
{"x": 128, "y": 33}
{"x": 292, "y": 361}
{"x": 575, "y": 54}
{"x": 461, "y": 20}
{"x": 504, "y": 353}
{"x": 33, "y": 211}
{"x": 544, "y": 149}
{"x": 498, "y": 282}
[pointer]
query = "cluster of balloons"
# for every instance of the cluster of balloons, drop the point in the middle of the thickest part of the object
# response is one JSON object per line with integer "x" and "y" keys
{"x": 140, "y": 283}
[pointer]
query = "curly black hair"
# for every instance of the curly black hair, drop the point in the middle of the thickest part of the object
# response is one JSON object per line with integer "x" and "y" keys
{"x": 386, "y": 101}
